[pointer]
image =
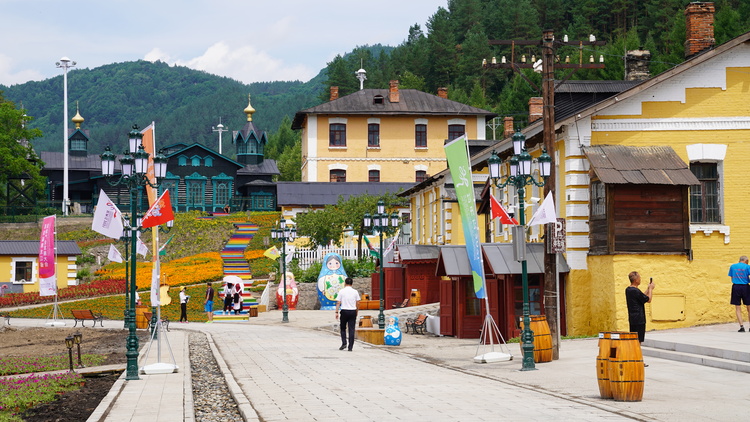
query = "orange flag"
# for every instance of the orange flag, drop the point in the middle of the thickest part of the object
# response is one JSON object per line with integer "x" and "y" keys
{"x": 497, "y": 210}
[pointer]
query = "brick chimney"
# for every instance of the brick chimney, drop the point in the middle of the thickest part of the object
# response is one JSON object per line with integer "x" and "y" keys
{"x": 636, "y": 65}
{"x": 535, "y": 108}
{"x": 508, "y": 127}
{"x": 443, "y": 92}
{"x": 393, "y": 92}
{"x": 699, "y": 22}
{"x": 334, "y": 93}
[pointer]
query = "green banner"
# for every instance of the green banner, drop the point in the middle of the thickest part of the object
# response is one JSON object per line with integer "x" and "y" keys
{"x": 457, "y": 153}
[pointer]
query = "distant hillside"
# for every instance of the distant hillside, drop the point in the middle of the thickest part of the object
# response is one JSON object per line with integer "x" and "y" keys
{"x": 184, "y": 103}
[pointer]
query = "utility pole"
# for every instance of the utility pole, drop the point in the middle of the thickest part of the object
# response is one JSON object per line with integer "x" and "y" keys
{"x": 548, "y": 63}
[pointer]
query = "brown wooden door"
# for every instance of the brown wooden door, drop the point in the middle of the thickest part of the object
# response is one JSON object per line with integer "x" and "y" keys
{"x": 447, "y": 296}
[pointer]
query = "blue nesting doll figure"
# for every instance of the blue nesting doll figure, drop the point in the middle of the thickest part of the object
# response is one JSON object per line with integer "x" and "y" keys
{"x": 330, "y": 281}
{"x": 392, "y": 332}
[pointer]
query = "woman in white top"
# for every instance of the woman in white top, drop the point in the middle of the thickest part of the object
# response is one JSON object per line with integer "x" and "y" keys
{"x": 183, "y": 305}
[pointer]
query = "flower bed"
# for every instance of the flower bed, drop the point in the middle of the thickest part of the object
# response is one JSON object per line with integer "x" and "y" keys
{"x": 105, "y": 287}
{"x": 193, "y": 269}
{"x": 26, "y": 364}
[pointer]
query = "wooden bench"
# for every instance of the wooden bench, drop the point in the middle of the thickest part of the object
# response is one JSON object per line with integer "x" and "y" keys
{"x": 417, "y": 324}
{"x": 149, "y": 317}
{"x": 403, "y": 304}
{"x": 86, "y": 314}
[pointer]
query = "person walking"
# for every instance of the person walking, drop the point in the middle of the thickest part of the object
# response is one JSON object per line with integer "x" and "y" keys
{"x": 347, "y": 300}
{"x": 209, "y": 303}
{"x": 183, "y": 304}
{"x": 637, "y": 300}
{"x": 740, "y": 273}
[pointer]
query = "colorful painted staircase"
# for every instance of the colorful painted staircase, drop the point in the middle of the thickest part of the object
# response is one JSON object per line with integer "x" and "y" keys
{"x": 235, "y": 263}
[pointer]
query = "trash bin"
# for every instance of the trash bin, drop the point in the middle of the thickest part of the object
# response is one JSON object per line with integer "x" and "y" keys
{"x": 140, "y": 318}
{"x": 602, "y": 365}
{"x": 542, "y": 338}
{"x": 416, "y": 298}
{"x": 626, "y": 373}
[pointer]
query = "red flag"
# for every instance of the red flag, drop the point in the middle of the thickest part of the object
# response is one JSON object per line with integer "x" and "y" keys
{"x": 159, "y": 213}
{"x": 497, "y": 210}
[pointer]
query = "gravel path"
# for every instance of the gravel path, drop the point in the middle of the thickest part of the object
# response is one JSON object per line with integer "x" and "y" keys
{"x": 212, "y": 401}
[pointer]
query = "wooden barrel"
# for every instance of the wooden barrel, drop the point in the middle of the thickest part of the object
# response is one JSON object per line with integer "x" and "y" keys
{"x": 416, "y": 298}
{"x": 626, "y": 373}
{"x": 602, "y": 366}
{"x": 140, "y": 318}
{"x": 366, "y": 321}
{"x": 542, "y": 338}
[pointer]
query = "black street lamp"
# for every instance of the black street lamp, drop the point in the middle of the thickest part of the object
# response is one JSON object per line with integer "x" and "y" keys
{"x": 69, "y": 345}
{"x": 284, "y": 234}
{"x": 77, "y": 337}
{"x": 381, "y": 221}
{"x": 133, "y": 177}
{"x": 126, "y": 232}
{"x": 519, "y": 175}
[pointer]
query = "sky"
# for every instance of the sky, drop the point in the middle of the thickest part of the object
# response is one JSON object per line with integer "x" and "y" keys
{"x": 247, "y": 40}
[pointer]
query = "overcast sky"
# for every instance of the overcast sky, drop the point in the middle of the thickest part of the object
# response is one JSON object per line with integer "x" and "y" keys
{"x": 247, "y": 40}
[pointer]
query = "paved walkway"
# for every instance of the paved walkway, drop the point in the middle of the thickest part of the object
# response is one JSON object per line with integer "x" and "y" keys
{"x": 294, "y": 371}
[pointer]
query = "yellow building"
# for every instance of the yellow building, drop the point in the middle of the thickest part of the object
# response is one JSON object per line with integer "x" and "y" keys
{"x": 639, "y": 143}
{"x": 19, "y": 265}
{"x": 383, "y": 135}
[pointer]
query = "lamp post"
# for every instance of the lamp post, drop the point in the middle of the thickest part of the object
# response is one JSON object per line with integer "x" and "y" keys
{"x": 519, "y": 175}
{"x": 133, "y": 177}
{"x": 126, "y": 232}
{"x": 69, "y": 345}
{"x": 64, "y": 64}
{"x": 284, "y": 234}
{"x": 77, "y": 337}
{"x": 380, "y": 221}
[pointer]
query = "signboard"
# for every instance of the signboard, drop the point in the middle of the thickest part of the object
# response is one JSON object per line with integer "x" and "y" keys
{"x": 557, "y": 243}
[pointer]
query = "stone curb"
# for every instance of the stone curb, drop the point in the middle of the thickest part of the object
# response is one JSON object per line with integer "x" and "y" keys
{"x": 188, "y": 404}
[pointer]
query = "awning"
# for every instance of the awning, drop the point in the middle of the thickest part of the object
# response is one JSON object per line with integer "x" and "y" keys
{"x": 498, "y": 260}
{"x": 418, "y": 252}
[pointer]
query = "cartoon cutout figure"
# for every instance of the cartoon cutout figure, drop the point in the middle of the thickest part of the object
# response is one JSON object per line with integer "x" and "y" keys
{"x": 330, "y": 281}
{"x": 292, "y": 293}
{"x": 392, "y": 332}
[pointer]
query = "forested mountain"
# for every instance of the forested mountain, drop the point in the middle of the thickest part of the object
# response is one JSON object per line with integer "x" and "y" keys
{"x": 448, "y": 52}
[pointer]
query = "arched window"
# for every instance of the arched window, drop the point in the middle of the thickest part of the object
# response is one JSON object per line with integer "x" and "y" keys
{"x": 455, "y": 131}
{"x": 195, "y": 161}
{"x": 373, "y": 175}
{"x": 182, "y": 160}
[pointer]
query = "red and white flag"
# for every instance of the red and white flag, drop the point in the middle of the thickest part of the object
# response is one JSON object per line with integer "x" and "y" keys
{"x": 497, "y": 210}
{"x": 159, "y": 213}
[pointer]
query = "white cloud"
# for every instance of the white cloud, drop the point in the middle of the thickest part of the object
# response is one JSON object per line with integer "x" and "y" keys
{"x": 8, "y": 77}
{"x": 243, "y": 63}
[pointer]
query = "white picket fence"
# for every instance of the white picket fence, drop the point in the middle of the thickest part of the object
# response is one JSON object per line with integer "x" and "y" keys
{"x": 308, "y": 256}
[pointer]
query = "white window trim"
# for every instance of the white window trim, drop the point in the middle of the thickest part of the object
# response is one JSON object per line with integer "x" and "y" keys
{"x": 338, "y": 166}
{"x": 337, "y": 120}
{"x": 457, "y": 122}
{"x": 711, "y": 153}
{"x": 419, "y": 167}
{"x": 373, "y": 167}
{"x": 34, "y": 269}
{"x": 373, "y": 120}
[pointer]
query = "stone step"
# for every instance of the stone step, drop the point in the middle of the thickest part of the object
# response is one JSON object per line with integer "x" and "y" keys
{"x": 698, "y": 350}
{"x": 698, "y": 358}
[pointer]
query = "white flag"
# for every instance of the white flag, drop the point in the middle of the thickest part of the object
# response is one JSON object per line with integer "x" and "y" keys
{"x": 155, "y": 299}
{"x": 546, "y": 212}
{"x": 114, "y": 254}
{"x": 107, "y": 218}
{"x": 142, "y": 249}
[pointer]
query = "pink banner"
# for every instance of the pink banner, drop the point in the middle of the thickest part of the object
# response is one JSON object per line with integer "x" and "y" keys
{"x": 47, "y": 279}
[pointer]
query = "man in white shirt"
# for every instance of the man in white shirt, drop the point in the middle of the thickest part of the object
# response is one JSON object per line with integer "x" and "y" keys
{"x": 347, "y": 301}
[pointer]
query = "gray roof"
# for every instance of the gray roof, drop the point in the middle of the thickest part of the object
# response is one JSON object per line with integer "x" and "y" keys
{"x": 312, "y": 194}
{"x": 418, "y": 252}
{"x": 498, "y": 257}
{"x": 31, "y": 247}
{"x": 268, "y": 166}
{"x": 411, "y": 101}
{"x": 55, "y": 161}
{"x": 655, "y": 165}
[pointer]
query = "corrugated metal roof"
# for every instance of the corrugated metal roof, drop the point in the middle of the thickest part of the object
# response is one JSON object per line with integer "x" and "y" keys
{"x": 411, "y": 101}
{"x": 31, "y": 247}
{"x": 593, "y": 87}
{"x": 418, "y": 252}
{"x": 327, "y": 193}
{"x": 268, "y": 166}
{"x": 454, "y": 261}
{"x": 654, "y": 165}
{"x": 55, "y": 161}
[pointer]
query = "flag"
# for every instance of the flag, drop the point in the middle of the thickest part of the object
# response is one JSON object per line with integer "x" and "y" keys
{"x": 272, "y": 253}
{"x": 114, "y": 254}
{"x": 497, "y": 210}
{"x": 546, "y": 212}
{"x": 390, "y": 245}
{"x": 290, "y": 253}
{"x": 457, "y": 154}
{"x": 155, "y": 281}
{"x": 47, "y": 276}
{"x": 373, "y": 252}
{"x": 159, "y": 213}
{"x": 107, "y": 217}
{"x": 162, "y": 249}
{"x": 142, "y": 249}
{"x": 149, "y": 145}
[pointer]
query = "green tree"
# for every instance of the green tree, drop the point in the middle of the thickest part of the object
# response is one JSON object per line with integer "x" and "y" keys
{"x": 283, "y": 139}
{"x": 321, "y": 227}
{"x": 441, "y": 50}
{"x": 18, "y": 159}
{"x": 290, "y": 163}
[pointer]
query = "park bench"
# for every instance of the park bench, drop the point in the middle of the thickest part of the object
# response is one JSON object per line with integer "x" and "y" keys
{"x": 403, "y": 304}
{"x": 417, "y": 324}
{"x": 150, "y": 315}
{"x": 6, "y": 315}
{"x": 86, "y": 314}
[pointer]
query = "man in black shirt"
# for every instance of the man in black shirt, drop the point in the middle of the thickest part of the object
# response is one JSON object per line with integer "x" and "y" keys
{"x": 636, "y": 300}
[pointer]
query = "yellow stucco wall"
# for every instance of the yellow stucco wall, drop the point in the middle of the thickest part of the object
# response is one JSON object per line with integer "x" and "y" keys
{"x": 397, "y": 155}
{"x": 63, "y": 279}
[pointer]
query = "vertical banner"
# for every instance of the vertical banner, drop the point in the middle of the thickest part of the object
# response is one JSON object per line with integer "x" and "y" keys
{"x": 457, "y": 153}
{"x": 149, "y": 144}
{"x": 47, "y": 277}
